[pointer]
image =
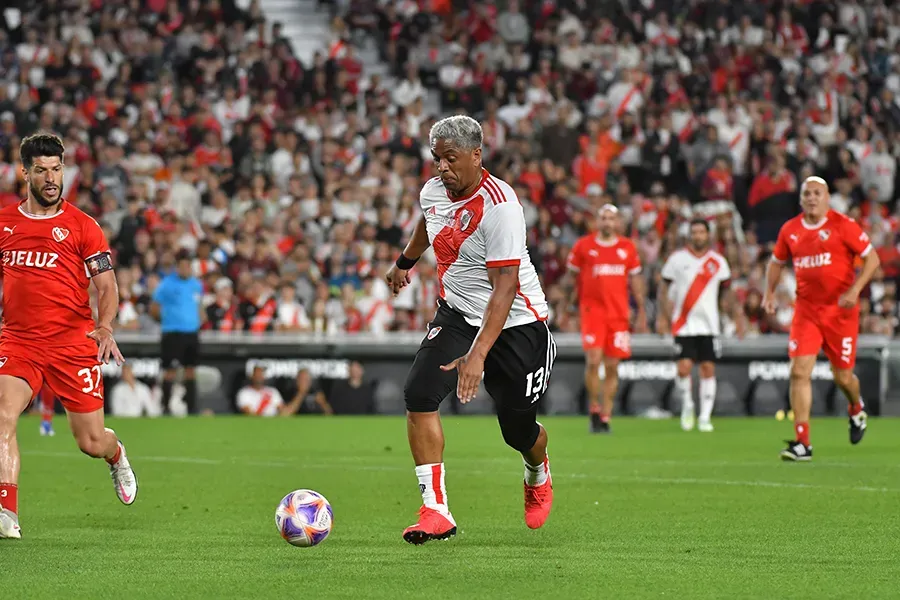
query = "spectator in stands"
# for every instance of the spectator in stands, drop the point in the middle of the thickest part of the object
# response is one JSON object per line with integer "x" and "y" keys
{"x": 308, "y": 397}
{"x": 259, "y": 399}
{"x": 130, "y": 397}
{"x": 222, "y": 313}
{"x": 772, "y": 198}
{"x": 354, "y": 395}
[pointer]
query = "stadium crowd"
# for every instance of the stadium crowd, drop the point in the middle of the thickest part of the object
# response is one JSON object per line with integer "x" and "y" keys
{"x": 191, "y": 128}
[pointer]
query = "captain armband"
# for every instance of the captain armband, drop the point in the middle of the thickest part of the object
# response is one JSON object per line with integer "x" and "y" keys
{"x": 99, "y": 263}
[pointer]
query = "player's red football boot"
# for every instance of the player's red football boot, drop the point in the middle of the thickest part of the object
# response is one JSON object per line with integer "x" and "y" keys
{"x": 538, "y": 501}
{"x": 432, "y": 525}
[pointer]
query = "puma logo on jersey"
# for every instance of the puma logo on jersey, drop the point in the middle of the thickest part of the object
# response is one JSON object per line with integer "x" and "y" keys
{"x": 814, "y": 261}
{"x": 10, "y": 229}
{"x": 59, "y": 234}
{"x": 793, "y": 237}
{"x": 30, "y": 258}
{"x": 608, "y": 270}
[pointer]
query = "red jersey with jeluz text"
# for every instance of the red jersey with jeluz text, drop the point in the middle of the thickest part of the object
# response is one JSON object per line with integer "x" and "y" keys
{"x": 603, "y": 269}
{"x": 45, "y": 276}
{"x": 822, "y": 256}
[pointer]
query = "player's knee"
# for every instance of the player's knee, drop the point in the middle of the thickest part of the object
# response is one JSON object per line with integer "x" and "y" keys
{"x": 420, "y": 397}
{"x": 843, "y": 377}
{"x": 611, "y": 368}
{"x": 93, "y": 446}
{"x": 707, "y": 370}
{"x": 593, "y": 360}
{"x": 520, "y": 429}
{"x": 800, "y": 371}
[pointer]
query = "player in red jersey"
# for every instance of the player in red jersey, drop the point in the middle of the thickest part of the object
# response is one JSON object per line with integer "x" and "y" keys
{"x": 605, "y": 264}
{"x": 822, "y": 245}
{"x": 51, "y": 252}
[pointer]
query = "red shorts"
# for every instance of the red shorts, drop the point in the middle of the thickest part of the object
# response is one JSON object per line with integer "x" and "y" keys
{"x": 831, "y": 328}
{"x": 612, "y": 336}
{"x": 71, "y": 373}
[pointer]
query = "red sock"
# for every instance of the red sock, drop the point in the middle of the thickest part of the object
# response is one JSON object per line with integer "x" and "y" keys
{"x": 802, "y": 430}
{"x": 9, "y": 497}
{"x": 855, "y": 409}
{"x": 117, "y": 455}
{"x": 604, "y": 418}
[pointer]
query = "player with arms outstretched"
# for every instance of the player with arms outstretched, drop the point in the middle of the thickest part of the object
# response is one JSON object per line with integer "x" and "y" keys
{"x": 51, "y": 252}
{"x": 490, "y": 321}
{"x": 692, "y": 281}
{"x": 822, "y": 245}
{"x": 605, "y": 263}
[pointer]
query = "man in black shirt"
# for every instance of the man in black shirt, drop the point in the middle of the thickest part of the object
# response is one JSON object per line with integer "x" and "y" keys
{"x": 353, "y": 396}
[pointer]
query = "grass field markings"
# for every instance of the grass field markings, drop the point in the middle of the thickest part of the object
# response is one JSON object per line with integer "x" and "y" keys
{"x": 640, "y": 479}
{"x": 733, "y": 483}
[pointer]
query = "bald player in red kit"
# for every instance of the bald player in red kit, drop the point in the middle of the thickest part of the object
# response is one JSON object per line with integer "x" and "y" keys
{"x": 822, "y": 245}
{"x": 605, "y": 264}
{"x": 51, "y": 253}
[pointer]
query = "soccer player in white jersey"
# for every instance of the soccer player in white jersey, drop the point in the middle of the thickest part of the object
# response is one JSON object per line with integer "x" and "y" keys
{"x": 693, "y": 278}
{"x": 490, "y": 322}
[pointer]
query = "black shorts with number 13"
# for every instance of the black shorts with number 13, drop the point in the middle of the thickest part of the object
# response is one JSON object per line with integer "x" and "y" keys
{"x": 516, "y": 370}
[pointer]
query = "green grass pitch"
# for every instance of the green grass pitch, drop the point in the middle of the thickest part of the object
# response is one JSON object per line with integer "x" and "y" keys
{"x": 647, "y": 512}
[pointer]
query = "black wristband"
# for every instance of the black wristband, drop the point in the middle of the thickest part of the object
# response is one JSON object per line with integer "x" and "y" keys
{"x": 405, "y": 263}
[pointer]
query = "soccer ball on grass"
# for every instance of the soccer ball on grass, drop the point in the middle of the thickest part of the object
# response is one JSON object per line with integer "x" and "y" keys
{"x": 304, "y": 518}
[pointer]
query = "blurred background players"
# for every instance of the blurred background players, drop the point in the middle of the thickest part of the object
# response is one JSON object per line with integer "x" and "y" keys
{"x": 178, "y": 304}
{"x": 823, "y": 246}
{"x": 605, "y": 263}
{"x": 47, "y": 401}
{"x": 693, "y": 279}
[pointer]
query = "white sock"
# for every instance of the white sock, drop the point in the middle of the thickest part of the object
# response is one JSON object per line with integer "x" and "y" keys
{"x": 683, "y": 385}
{"x": 431, "y": 484}
{"x": 707, "y": 398}
{"x": 537, "y": 475}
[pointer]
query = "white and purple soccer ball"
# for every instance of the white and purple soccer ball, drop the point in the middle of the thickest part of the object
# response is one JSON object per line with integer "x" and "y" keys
{"x": 304, "y": 518}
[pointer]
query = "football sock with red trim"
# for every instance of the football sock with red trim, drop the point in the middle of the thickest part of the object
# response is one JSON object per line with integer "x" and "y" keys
{"x": 537, "y": 475}
{"x": 9, "y": 497}
{"x": 431, "y": 485}
{"x": 802, "y": 431}
{"x": 855, "y": 409}
{"x": 116, "y": 456}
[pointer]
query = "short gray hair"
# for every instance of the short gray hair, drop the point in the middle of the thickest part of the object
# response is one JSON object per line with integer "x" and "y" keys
{"x": 465, "y": 132}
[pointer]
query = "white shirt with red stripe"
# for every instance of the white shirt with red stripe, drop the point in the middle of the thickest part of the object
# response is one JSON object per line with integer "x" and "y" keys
{"x": 292, "y": 315}
{"x": 624, "y": 98}
{"x": 738, "y": 139}
{"x": 694, "y": 291}
{"x": 262, "y": 402}
{"x": 470, "y": 235}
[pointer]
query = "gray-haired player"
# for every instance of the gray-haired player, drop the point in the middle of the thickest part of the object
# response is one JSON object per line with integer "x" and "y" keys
{"x": 490, "y": 322}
